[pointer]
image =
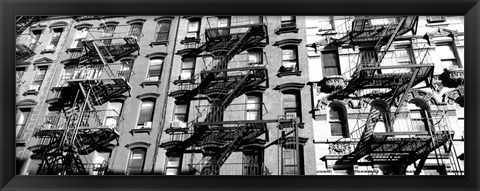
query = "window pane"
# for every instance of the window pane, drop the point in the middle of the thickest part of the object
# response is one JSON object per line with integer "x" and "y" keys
{"x": 289, "y": 54}
{"x": 334, "y": 113}
{"x": 336, "y": 128}
{"x": 186, "y": 74}
{"x": 188, "y": 63}
{"x": 223, "y": 21}
{"x": 56, "y": 36}
{"x": 193, "y": 26}
{"x": 146, "y": 112}
{"x": 137, "y": 160}
{"x": 155, "y": 70}
{"x": 287, "y": 18}
{"x": 255, "y": 57}
{"x": 180, "y": 108}
{"x": 289, "y": 101}
{"x": 445, "y": 51}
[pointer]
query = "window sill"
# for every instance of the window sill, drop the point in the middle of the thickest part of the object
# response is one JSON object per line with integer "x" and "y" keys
{"x": 73, "y": 50}
{"x": 189, "y": 81}
{"x": 30, "y": 92}
{"x": 283, "y": 30}
{"x": 141, "y": 130}
{"x": 47, "y": 52}
{"x": 442, "y": 23}
{"x": 20, "y": 142}
{"x": 190, "y": 40}
{"x": 162, "y": 42}
{"x": 173, "y": 130}
{"x": 150, "y": 83}
{"x": 297, "y": 73}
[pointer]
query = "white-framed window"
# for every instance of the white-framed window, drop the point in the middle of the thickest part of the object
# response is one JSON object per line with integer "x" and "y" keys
{"x": 155, "y": 69}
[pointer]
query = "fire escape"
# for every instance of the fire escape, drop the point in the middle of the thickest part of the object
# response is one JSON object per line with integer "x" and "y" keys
{"x": 25, "y": 43}
{"x": 390, "y": 147}
{"x": 220, "y": 83}
{"x": 81, "y": 126}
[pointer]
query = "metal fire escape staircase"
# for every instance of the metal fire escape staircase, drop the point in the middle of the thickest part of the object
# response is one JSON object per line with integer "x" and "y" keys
{"x": 387, "y": 147}
{"x": 221, "y": 87}
{"x": 81, "y": 129}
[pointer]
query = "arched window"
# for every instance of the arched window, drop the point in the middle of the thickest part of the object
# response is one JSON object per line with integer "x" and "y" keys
{"x": 338, "y": 120}
{"x": 419, "y": 113}
{"x": 136, "y": 161}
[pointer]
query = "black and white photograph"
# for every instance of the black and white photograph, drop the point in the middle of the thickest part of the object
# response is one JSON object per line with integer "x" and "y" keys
{"x": 240, "y": 95}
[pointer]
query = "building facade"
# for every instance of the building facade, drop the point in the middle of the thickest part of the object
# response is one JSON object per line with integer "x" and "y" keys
{"x": 225, "y": 95}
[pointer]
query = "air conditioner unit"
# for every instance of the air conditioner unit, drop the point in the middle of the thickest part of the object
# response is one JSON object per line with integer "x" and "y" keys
{"x": 178, "y": 124}
{"x": 50, "y": 48}
{"x": 147, "y": 124}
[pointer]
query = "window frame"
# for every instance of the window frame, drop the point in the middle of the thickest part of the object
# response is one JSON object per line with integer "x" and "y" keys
{"x": 20, "y": 127}
{"x": 162, "y": 33}
{"x": 152, "y": 112}
{"x": 297, "y": 110}
{"x": 176, "y": 113}
{"x": 342, "y": 121}
{"x": 192, "y": 69}
{"x": 178, "y": 167}
{"x": 326, "y": 68}
{"x": 130, "y": 158}
{"x": 288, "y": 23}
{"x": 196, "y": 32}
{"x": 149, "y": 75}
{"x": 132, "y": 31}
{"x": 457, "y": 62}
{"x": 296, "y": 68}
{"x": 257, "y": 111}
{"x": 38, "y": 79}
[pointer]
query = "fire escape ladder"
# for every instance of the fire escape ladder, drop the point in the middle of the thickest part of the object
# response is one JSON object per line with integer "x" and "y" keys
{"x": 102, "y": 58}
{"x": 213, "y": 165}
{"x": 378, "y": 46}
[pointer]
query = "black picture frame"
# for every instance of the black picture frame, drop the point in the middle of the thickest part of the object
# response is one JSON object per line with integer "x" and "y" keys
{"x": 9, "y": 8}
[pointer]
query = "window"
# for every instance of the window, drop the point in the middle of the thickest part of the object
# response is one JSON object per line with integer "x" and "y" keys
{"x": 163, "y": 29}
{"x": 136, "y": 161}
{"x": 289, "y": 59}
{"x": 291, "y": 104}
{"x": 223, "y": 22}
{"x": 68, "y": 74}
{"x": 368, "y": 57}
{"x": 338, "y": 122}
{"x": 255, "y": 58}
{"x": 173, "y": 165}
{"x": 35, "y": 37}
{"x": 180, "y": 116}
{"x": 146, "y": 113}
{"x": 193, "y": 28}
{"x": 254, "y": 107}
{"x": 136, "y": 30}
{"x": 113, "y": 112}
{"x": 37, "y": 81}
{"x": 330, "y": 62}
{"x": 99, "y": 162}
{"x": 155, "y": 70}
{"x": 125, "y": 69}
{"x": 287, "y": 21}
{"x": 418, "y": 117}
{"x": 252, "y": 161}
{"x": 79, "y": 35}
{"x": 292, "y": 162}
{"x": 57, "y": 33}
{"x": 188, "y": 69}
{"x": 22, "y": 118}
{"x": 108, "y": 31}
{"x": 19, "y": 72}
{"x": 447, "y": 55}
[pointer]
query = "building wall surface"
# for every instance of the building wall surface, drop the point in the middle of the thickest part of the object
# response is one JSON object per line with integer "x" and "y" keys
{"x": 315, "y": 130}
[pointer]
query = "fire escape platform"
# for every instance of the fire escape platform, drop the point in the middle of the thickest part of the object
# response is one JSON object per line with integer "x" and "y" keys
{"x": 397, "y": 148}
{"x": 368, "y": 77}
{"x": 363, "y": 32}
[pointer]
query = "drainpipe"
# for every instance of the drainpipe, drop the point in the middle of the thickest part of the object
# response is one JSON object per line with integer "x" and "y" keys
{"x": 165, "y": 100}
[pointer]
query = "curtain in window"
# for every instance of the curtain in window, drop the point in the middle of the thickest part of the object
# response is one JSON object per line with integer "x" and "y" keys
{"x": 289, "y": 59}
{"x": 253, "y": 107}
{"x": 181, "y": 113}
{"x": 193, "y": 28}
{"x": 330, "y": 63}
